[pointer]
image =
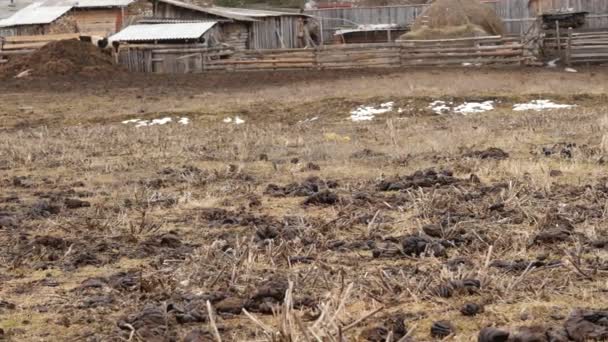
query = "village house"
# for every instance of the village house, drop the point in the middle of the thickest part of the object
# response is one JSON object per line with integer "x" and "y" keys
{"x": 70, "y": 16}
{"x": 239, "y": 27}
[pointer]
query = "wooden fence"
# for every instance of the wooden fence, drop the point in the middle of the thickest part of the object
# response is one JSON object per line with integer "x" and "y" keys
{"x": 517, "y": 15}
{"x": 586, "y": 48}
{"x": 464, "y": 51}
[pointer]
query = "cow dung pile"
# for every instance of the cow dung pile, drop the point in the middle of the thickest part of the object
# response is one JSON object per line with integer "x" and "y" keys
{"x": 70, "y": 57}
{"x": 446, "y": 19}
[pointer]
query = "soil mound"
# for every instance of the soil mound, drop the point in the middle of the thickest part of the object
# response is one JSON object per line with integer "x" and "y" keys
{"x": 456, "y": 18}
{"x": 62, "y": 58}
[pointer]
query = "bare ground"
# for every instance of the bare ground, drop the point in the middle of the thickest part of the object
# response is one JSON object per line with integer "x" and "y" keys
{"x": 412, "y": 226}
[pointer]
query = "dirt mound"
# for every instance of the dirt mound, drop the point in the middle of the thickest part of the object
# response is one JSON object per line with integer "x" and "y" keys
{"x": 456, "y": 18}
{"x": 62, "y": 58}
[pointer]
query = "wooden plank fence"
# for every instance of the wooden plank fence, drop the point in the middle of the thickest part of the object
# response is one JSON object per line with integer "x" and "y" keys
{"x": 464, "y": 51}
{"x": 586, "y": 48}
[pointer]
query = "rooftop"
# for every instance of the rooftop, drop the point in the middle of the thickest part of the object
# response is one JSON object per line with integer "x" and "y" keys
{"x": 152, "y": 32}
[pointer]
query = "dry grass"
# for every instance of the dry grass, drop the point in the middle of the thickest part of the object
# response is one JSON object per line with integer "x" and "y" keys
{"x": 145, "y": 183}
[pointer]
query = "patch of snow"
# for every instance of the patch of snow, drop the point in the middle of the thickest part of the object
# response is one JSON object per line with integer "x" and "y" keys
{"x": 474, "y": 107}
{"x": 367, "y": 113}
{"x": 467, "y": 64}
{"x": 570, "y": 70}
{"x": 237, "y": 120}
{"x": 440, "y": 107}
{"x": 161, "y": 121}
{"x": 539, "y": 105}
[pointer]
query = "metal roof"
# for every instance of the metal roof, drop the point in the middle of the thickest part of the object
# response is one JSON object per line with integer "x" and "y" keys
{"x": 89, "y": 3}
{"x": 35, "y": 13}
{"x": 7, "y": 9}
{"x": 162, "y": 31}
{"x": 242, "y": 14}
{"x": 369, "y": 28}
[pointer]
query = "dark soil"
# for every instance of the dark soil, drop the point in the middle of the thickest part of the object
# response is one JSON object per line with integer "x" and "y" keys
{"x": 63, "y": 58}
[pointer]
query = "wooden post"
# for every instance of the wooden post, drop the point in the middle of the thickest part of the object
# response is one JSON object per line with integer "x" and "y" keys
{"x": 557, "y": 37}
{"x": 388, "y": 36}
{"x": 569, "y": 48}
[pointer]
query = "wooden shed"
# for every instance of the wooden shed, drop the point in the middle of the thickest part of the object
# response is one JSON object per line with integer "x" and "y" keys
{"x": 240, "y": 27}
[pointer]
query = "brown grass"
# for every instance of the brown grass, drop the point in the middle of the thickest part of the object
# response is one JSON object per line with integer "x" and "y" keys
{"x": 62, "y": 141}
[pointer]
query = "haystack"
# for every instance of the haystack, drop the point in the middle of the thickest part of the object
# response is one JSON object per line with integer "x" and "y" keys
{"x": 454, "y": 19}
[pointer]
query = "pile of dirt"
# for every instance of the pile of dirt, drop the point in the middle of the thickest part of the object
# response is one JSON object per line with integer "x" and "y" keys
{"x": 456, "y": 18}
{"x": 62, "y": 58}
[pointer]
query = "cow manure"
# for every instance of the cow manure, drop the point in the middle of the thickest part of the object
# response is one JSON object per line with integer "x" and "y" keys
{"x": 441, "y": 329}
{"x": 324, "y": 197}
{"x": 490, "y": 153}
{"x": 74, "y": 203}
{"x": 471, "y": 309}
{"x": 394, "y": 324}
{"x": 199, "y": 335}
{"x": 453, "y": 287}
{"x": 584, "y": 325}
{"x": 230, "y": 305}
{"x": 420, "y": 179}
{"x": 490, "y": 334}
{"x": 418, "y": 245}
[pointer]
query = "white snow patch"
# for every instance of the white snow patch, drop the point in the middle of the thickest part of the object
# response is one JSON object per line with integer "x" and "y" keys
{"x": 367, "y": 113}
{"x": 160, "y": 121}
{"x": 570, "y": 70}
{"x": 440, "y": 107}
{"x": 443, "y": 107}
{"x": 474, "y": 107}
{"x": 539, "y": 105}
{"x": 237, "y": 120}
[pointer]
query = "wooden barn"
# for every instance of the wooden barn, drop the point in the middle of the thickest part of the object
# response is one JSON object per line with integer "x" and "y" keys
{"x": 71, "y": 16}
{"x": 241, "y": 28}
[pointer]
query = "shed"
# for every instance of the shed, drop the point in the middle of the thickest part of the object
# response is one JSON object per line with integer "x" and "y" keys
{"x": 72, "y": 16}
{"x": 167, "y": 33}
{"x": 240, "y": 27}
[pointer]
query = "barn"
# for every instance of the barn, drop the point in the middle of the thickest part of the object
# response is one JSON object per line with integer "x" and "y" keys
{"x": 241, "y": 28}
{"x": 71, "y": 16}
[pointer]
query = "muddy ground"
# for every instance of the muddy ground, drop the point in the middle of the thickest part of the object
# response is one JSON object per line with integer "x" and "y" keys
{"x": 299, "y": 224}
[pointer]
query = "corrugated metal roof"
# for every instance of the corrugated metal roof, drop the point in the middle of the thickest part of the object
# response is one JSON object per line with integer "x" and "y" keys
{"x": 88, "y": 3}
{"x": 242, "y": 14}
{"x": 7, "y": 9}
{"x": 162, "y": 31}
{"x": 35, "y": 13}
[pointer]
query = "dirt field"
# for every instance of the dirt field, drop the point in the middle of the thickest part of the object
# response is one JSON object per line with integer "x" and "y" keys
{"x": 251, "y": 207}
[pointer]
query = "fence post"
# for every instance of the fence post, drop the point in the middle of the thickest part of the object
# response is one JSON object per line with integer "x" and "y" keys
{"x": 557, "y": 37}
{"x": 569, "y": 48}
